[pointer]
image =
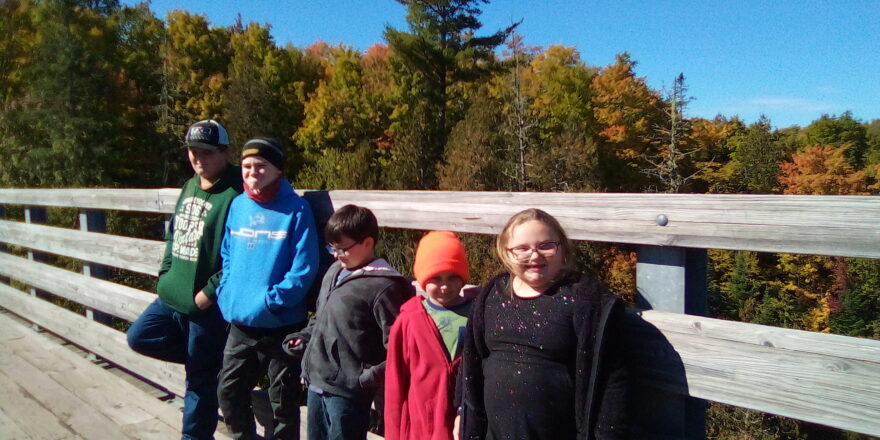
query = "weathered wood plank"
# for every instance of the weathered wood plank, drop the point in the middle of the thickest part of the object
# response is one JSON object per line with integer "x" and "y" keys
{"x": 133, "y": 254}
{"x": 33, "y": 418}
{"x": 129, "y": 411}
{"x": 826, "y": 225}
{"x": 826, "y": 379}
{"x": 9, "y": 428}
{"x": 71, "y": 411}
{"x": 118, "y": 300}
{"x": 867, "y": 350}
{"x": 144, "y": 200}
{"x": 97, "y": 338}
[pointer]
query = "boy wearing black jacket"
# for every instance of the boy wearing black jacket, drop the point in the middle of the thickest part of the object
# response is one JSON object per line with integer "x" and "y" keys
{"x": 344, "y": 344}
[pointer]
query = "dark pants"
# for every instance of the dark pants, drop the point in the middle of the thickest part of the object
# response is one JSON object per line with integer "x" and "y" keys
{"x": 249, "y": 354}
{"x": 196, "y": 341}
{"x": 337, "y": 418}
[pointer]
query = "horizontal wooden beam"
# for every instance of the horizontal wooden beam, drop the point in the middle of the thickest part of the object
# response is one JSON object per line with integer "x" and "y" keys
{"x": 824, "y": 225}
{"x": 143, "y": 200}
{"x": 134, "y": 254}
{"x": 118, "y": 300}
{"x": 97, "y": 338}
{"x": 821, "y": 378}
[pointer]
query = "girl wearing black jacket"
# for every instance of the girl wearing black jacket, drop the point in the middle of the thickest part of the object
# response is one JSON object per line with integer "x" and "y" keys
{"x": 543, "y": 356}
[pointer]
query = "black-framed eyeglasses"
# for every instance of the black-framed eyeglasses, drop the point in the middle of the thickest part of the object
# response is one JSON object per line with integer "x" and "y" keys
{"x": 340, "y": 251}
{"x": 523, "y": 252}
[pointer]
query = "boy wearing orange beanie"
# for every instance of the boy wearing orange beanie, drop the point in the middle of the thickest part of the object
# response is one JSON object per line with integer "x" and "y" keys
{"x": 424, "y": 352}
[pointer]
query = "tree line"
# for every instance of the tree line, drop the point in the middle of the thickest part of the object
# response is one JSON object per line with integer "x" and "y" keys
{"x": 96, "y": 94}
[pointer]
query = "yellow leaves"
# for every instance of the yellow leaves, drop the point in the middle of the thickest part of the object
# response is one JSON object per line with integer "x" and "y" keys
{"x": 873, "y": 171}
{"x": 817, "y": 319}
{"x": 625, "y": 106}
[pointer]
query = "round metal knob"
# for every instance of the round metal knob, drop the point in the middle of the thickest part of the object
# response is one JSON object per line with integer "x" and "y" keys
{"x": 662, "y": 220}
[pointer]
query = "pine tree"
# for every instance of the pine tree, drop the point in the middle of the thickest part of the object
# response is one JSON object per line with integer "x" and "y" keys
{"x": 436, "y": 63}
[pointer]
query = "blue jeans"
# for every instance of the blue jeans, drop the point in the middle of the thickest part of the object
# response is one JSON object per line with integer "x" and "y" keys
{"x": 332, "y": 417}
{"x": 196, "y": 341}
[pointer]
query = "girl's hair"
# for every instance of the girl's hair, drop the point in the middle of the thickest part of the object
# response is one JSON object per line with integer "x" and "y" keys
{"x": 503, "y": 240}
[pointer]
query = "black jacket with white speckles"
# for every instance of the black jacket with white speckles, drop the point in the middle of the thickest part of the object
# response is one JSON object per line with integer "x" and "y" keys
{"x": 601, "y": 378}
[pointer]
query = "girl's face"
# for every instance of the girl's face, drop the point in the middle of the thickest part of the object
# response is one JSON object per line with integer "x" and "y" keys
{"x": 534, "y": 250}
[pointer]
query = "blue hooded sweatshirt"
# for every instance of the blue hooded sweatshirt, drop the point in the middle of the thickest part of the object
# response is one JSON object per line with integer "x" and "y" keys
{"x": 270, "y": 258}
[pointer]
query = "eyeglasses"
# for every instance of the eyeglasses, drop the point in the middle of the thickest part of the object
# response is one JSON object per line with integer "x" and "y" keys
{"x": 340, "y": 251}
{"x": 523, "y": 252}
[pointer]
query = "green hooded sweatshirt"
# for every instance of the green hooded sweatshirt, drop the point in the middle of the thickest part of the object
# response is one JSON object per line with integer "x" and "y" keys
{"x": 192, "y": 250}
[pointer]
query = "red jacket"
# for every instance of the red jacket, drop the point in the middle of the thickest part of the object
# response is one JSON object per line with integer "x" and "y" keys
{"x": 419, "y": 378}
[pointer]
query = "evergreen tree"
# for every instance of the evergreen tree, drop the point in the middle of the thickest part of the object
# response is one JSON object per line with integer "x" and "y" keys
{"x": 858, "y": 312}
{"x": 756, "y": 156}
{"x": 669, "y": 163}
{"x": 839, "y": 131}
{"x": 435, "y": 63}
{"x": 61, "y": 129}
{"x": 476, "y": 156}
{"x": 138, "y": 54}
{"x": 872, "y": 133}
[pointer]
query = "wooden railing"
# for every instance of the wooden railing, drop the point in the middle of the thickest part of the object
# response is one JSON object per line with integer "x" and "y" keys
{"x": 678, "y": 358}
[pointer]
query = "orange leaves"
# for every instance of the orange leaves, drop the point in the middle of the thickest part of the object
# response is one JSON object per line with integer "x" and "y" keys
{"x": 821, "y": 169}
{"x": 619, "y": 272}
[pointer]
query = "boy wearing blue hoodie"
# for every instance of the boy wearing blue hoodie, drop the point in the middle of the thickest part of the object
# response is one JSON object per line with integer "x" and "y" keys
{"x": 270, "y": 258}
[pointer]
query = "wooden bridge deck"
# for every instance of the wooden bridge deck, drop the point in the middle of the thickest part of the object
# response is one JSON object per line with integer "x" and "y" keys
{"x": 52, "y": 391}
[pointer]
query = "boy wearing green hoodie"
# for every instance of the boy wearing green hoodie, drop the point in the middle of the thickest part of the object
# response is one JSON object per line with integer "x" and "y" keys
{"x": 183, "y": 325}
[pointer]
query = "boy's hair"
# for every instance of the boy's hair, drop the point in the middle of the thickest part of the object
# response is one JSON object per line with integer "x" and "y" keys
{"x": 354, "y": 222}
{"x": 501, "y": 243}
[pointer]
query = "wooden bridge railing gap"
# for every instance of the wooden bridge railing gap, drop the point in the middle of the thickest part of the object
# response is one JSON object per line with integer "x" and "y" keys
{"x": 681, "y": 357}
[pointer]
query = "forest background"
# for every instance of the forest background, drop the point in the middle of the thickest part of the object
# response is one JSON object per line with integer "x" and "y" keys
{"x": 96, "y": 94}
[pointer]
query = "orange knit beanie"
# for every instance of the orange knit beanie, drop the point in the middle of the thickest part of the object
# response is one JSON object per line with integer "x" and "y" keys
{"x": 438, "y": 252}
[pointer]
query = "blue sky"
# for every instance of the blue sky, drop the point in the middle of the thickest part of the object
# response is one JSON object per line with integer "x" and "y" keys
{"x": 791, "y": 60}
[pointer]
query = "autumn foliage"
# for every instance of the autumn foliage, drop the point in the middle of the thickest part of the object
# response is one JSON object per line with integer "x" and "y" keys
{"x": 96, "y": 94}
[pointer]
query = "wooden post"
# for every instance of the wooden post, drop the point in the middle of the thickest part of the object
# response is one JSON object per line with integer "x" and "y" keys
{"x": 671, "y": 279}
{"x": 3, "y": 279}
{"x": 95, "y": 221}
{"x": 37, "y": 215}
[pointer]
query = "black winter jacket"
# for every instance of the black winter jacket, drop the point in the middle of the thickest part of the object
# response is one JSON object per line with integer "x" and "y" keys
{"x": 601, "y": 375}
{"x": 345, "y": 341}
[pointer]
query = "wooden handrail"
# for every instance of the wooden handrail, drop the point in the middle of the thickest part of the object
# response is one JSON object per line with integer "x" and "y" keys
{"x": 823, "y": 225}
